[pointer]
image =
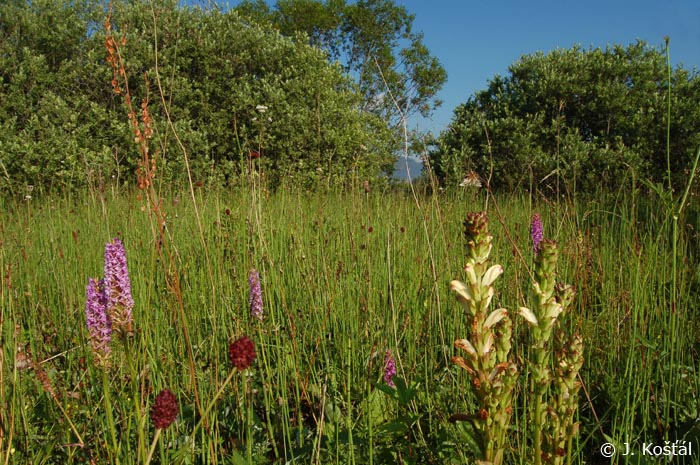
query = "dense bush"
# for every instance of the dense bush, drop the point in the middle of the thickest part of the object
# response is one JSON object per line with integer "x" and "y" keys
{"x": 577, "y": 119}
{"x": 61, "y": 125}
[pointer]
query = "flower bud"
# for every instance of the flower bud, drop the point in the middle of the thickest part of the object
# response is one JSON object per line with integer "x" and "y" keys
{"x": 491, "y": 274}
{"x": 495, "y": 317}
{"x": 466, "y": 346}
{"x": 464, "y": 294}
{"x": 528, "y": 315}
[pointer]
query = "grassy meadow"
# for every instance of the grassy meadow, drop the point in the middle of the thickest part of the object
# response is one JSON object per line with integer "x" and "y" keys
{"x": 346, "y": 277}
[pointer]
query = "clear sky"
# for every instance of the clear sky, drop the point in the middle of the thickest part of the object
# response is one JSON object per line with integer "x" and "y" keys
{"x": 475, "y": 40}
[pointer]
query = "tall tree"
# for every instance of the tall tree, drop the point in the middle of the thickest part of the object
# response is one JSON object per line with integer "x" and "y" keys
{"x": 375, "y": 43}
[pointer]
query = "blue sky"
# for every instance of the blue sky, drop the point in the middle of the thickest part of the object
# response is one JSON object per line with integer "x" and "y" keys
{"x": 476, "y": 40}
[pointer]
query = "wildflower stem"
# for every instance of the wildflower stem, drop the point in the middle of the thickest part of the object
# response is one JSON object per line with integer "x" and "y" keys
{"x": 668, "y": 113}
{"x": 72, "y": 426}
{"x": 349, "y": 425}
{"x": 212, "y": 403}
{"x": 110, "y": 415}
{"x": 266, "y": 394}
{"x": 153, "y": 446}
{"x": 539, "y": 410}
{"x": 249, "y": 420}
{"x": 135, "y": 395}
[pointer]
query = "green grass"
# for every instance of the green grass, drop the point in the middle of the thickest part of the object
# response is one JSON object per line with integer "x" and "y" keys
{"x": 345, "y": 277}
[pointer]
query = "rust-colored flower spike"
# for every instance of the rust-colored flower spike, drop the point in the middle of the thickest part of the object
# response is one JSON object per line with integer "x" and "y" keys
{"x": 476, "y": 225}
{"x": 241, "y": 353}
{"x": 476, "y": 232}
{"x": 164, "y": 409}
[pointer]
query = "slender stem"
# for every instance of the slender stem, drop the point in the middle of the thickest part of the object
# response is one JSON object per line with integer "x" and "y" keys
{"x": 135, "y": 395}
{"x": 569, "y": 448}
{"x": 693, "y": 172}
{"x": 349, "y": 401}
{"x": 537, "y": 424}
{"x": 110, "y": 415}
{"x": 674, "y": 317}
{"x": 668, "y": 115}
{"x": 370, "y": 430}
{"x": 72, "y": 426}
{"x": 248, "y": 420}
{"x": 212, "y": 403}
{"x": 266, "y": 394}
{"x": 153, "y": 446}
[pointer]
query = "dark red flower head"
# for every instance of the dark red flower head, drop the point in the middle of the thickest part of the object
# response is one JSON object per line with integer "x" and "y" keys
{"x": 241, "y": 352}
{"x": 164, "y": 410}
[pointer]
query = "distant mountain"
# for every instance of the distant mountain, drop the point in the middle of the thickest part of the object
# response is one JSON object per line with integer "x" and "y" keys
{"x": 415, "y": 166}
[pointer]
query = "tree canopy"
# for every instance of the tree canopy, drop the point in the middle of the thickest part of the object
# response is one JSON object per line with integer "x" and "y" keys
{"x": 374, "y": 41}
{"x": 582, "y": 118}
{"x": 232, "y": 88}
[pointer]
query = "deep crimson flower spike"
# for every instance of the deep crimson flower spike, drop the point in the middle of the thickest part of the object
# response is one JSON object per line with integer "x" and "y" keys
{"x": 164, "y": 410}
{"x": 241, "y": 353}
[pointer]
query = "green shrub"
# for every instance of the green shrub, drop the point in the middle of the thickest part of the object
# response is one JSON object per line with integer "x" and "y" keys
{"x": 576, "y": 119}
{"x": 62, "y": 124}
